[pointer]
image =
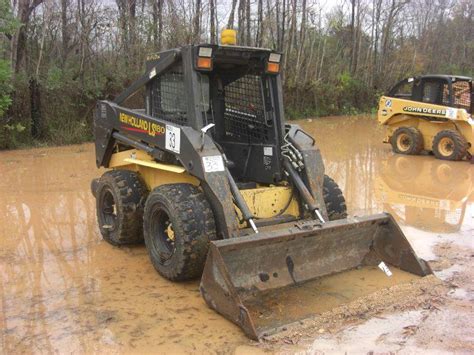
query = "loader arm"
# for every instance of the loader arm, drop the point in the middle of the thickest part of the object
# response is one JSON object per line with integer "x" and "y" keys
{"x": 115, "y": 124}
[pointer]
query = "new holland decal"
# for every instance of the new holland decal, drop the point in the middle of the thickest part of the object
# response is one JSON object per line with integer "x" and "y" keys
{"x": 140, "y": 125}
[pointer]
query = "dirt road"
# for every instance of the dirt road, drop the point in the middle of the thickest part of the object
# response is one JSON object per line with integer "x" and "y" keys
{"x": 63, "y": 289}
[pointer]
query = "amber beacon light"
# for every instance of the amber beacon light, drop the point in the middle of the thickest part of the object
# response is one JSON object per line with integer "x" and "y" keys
{"x": 273, "y": 65}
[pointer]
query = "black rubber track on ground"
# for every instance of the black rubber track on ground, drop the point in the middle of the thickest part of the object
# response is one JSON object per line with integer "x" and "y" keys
{"x": 193, "y": 225}
{"x": 334, "y": 199}
{"x": 129, "y": 193}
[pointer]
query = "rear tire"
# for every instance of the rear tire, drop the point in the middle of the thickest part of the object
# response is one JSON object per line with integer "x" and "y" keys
{"x": 120, "y": 196}
{"x": 449, "y": 145}
{"x": 178, "y": 225}
{"x": 407, "y": 140}
{"x": 334, "y": 199}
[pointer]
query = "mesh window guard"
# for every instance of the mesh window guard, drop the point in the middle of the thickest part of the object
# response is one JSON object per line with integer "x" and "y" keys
{"x": 462, "y": 95}
{"x": 244, "y": 111}
{"x": 169, "y": 98}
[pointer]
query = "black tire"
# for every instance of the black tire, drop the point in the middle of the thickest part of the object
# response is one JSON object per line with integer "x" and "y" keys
{"x": 334, "y": 199}
{"x": 178, "y": 225}
{"x": 449, "y": 145}
{"x": 407, "y": 140}
{"x": 120, "y": 196}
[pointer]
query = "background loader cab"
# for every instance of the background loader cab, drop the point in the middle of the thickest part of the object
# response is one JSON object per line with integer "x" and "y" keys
{"x": 430, "y": 113}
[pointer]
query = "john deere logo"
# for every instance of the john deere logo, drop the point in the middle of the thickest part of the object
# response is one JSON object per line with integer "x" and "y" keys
{"x": 426, "y": 110}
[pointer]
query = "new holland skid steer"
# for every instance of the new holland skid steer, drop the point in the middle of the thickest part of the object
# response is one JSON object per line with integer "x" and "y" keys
{"x": 218, "y": 185}
{"x": 430, "y": 113}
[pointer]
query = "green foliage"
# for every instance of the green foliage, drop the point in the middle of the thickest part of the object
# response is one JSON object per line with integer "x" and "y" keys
{"x": 8, "y": 23}
{"x": 5, "y": 86}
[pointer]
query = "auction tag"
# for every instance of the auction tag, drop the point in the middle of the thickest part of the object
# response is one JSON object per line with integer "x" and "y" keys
{"x": 451, "y": 113}
{"x": 268, "y": 151}
{"x": 173, "y": 138}
{"x": 213, "y": 163}
{"x": 385, "y": 269}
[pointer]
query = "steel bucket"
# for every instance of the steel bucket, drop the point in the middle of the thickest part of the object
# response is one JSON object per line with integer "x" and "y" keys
{"x": 266, "y": 281}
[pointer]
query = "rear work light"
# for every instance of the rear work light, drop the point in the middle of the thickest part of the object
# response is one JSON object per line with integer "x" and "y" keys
{"x": 273, "y": 65}
{"x": 204, "y": 60}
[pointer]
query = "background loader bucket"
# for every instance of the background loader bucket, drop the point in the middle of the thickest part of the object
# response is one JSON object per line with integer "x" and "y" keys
{"x": 266, "y": 281}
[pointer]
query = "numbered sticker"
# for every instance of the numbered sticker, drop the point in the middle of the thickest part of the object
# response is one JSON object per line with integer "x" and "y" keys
{"x": 213, "y": 163}
{"x": 173, "y": 139}
{"x": 268, "y": 151}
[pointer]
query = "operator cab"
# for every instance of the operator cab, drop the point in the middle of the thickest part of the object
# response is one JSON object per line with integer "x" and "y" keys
{"x": 236, "y": 89}
{"x": 445, "y": 90}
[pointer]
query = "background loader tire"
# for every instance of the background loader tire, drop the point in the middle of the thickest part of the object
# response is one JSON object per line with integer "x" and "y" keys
{"x": 449, "y": 145}
{"x": 120, "y": 196}
{"x": 334, "y": 199}
{"x": 178, "y": 225}
{"x": 407, "y": 140}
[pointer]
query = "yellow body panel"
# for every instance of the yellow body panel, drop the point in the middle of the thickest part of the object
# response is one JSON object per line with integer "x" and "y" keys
{"x": 395, "y": 113}
{"x": 263, "y": 202}
{"x": 267, "y": 202}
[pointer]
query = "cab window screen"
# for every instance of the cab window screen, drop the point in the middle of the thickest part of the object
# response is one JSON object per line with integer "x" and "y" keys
{"x": 430, "y": 92}
{"x": 244, "y": 110}
{"x": 462, "y": 95}
{"x": 169, "y": 97}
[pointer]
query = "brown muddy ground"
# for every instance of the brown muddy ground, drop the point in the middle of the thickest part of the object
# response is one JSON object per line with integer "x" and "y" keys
{"x": 63, "y": 289}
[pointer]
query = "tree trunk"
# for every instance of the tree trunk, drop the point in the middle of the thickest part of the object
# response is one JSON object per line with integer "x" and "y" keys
{"x": 230, "y": 23}
{"x": 259, "y": 37}
{"x": 247, "y": 17}
{"x": 64, "y": 30}
{"x": 35, "y": 109}
{"x": 197, "y": 22}
{"x": 212, "y": 10}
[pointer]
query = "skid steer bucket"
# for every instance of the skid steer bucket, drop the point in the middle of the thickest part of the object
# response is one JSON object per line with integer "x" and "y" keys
{"x": 266, "y": 281}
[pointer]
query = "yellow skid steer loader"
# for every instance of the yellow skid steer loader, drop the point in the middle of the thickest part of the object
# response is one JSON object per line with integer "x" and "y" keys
{"x": 430, "y": 113}
{"x": 218, "y": 185}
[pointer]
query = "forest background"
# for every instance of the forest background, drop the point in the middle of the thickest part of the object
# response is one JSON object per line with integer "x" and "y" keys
{"x": 57, "y": 57}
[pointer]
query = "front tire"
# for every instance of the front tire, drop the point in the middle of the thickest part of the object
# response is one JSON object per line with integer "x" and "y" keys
{"x": 334, "y": 199}
{"x": 407, "y": 140}
{"x": 120, "y": 196}
{"x": 178, "y": 225}
{"x": 449, "y": 145}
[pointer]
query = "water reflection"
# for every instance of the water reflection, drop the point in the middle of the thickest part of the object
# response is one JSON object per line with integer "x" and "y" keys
{"x": 420, "y": 191}
{"x": 426, "y": 193}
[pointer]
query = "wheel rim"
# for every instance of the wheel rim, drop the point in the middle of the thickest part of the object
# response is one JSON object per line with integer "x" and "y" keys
{"x": 403, "y": 142}
{"x": 446, "y": 146}
{"x": 108, "y": 210}
{"x": 162, "y": 233}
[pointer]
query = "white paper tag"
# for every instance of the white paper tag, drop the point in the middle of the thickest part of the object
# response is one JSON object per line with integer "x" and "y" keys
{"x": 268, "y": 151}
{"x": 152, "y": 73}
{"x": 173, "y": 139}
{"x": 451, "y": 113}
{"x": 385, "y": 269}
{"x": 213, "y": 163}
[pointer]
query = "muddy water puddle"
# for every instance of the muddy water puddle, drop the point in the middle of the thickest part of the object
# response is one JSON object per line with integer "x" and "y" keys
{"x": 62, "y": 288}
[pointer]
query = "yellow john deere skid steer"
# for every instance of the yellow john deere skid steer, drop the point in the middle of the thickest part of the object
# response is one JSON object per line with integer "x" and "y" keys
{"x": 430, "y": 113}
{"x": 218, "y": 185}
